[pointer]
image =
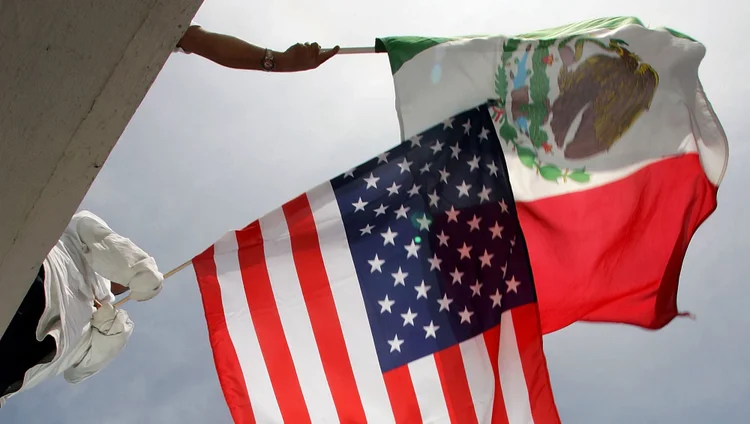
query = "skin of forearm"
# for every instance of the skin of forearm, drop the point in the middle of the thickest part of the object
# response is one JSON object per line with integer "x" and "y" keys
{"x": 227, "y": 50}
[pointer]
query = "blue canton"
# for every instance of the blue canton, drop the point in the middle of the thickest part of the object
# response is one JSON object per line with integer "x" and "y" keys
{"x": 435, "y": 239}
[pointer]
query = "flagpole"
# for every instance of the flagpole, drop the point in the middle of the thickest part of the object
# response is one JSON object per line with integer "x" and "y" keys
{"x": 167, "y": 275}
{"x": 355, "y": 50}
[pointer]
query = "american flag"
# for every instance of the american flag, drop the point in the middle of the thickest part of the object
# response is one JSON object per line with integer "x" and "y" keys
{"x": 398, "y": 292}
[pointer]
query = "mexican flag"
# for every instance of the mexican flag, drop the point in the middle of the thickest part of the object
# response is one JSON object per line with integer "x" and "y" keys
{"x": 614, "y": 152}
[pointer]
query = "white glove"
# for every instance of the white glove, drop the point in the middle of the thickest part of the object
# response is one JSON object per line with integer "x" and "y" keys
{"x": 110, "y": 321}
{"x": 147, "y": 281}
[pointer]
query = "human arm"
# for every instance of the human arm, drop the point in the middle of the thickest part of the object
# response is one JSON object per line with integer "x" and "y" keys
{"x": 116, "y": 258}
{"x": 109, "y": 331}
{"x": 232, "y": 52}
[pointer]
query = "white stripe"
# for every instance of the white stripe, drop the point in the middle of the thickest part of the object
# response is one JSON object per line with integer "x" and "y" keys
{"x": 429, "y": 391}
{"x": 350, "y": 306}
{"x": 242, "y": 332}
{"x": 480, "y": 376}
{"x": 512, "y": 379}
{"x": 295, "y": 319}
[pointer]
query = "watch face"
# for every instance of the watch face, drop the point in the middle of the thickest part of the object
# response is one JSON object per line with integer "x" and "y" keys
{"x": 268, "y": 64}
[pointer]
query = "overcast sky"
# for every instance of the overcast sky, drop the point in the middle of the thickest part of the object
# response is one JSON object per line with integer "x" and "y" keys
{"x": 212, "y": 149}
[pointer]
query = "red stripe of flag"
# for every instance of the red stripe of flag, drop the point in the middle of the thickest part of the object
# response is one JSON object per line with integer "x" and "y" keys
{"x": 225, "y": 356}
{"x": 403, "y": 398}
{"x": 267, "y": 323}
{"x": 450, "y": 367}
{"x": 492, "y": 340}
{"x": 321, "y": 309}
{"x": 528, "y": 330}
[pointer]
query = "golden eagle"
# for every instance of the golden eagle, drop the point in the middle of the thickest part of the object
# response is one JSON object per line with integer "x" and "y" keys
{"x": 614, "y": 90}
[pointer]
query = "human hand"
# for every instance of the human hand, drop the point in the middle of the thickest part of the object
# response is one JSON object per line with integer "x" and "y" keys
{"x": 303, "y": 57}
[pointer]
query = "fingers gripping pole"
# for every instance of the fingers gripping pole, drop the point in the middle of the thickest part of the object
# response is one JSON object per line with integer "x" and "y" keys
{"x": 167, "y": 275}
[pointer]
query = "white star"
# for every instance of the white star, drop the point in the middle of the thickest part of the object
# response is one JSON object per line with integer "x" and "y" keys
{"x": 448, "y": 123}
{"x": 473, "y": 164}
{"x": 425, "y": 168}
{"x": 385, "y": 304}
{"x": 431, "y": 330}
{"x": 415, "y": 141}
{"x": 466, "y": 315}
{"x": 395, "y": 343}
{"x": 422, "y": 290}
{"x": 504, "y": 268}
{"x": 467, "y": 126}
{"x": 360, "y": 205}
{"x": 444, "y": 174}
{"x": 503, "y": 206}
{"x": 456, "y": 150}
{"x": 443, "y": 238}
{"x": 399, "y": 277}
{"x": 409, "y": 317}
{"x": 367, "y": 230}
{"x": 404, "y": 166}
{"x": 484, "y": 195}
{"x": 496, "y": 298}
{"x": 412, "y": 250}
{"x": 437, "y": 147}
{"x": 389, "y": 237}
{"x": 401, "y": 212}
{"x": 474, "y": 223}
{"x": 445, "y": 303}
{"x": 383, "y": 157}
{"x": 434, "y": 198}
{"x": 475, "y": 288}
{"x": 381, "y": 210}
{"x": 512, "y": 285}
{"x": 483, "y": 134}
{"x": 497, "y": 231}
{"x": 372, "y": 181}
{"x": 465, "y": 251}
{"x": 493, "y": 168}
{"x": 452, "y": 214}
{"x": 349, "y": 173}
{"x": 457, "y": 276}
{"x": 513, "y": 242}
{"x": 486, "y": 258}
{"x": 414, "y": 190}
{"x": 424, "y": 223}
{"x": 375, "y": 264}
{"x": 393, "y": 189}
{"x": 463, "y": 189}
{"x": 434, "y": 262}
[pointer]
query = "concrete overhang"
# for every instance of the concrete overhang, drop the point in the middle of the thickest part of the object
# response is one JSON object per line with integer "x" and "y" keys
{"x": 72, "y": 74}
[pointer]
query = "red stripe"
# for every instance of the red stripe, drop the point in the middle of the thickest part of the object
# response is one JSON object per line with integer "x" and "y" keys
{"x": 267, "y": 323}
{"x": 321, "y": 309}
{"x": 534, "y": 364}
{"x": 614, "y": 253}
{"x": 450, "y": 367}
{"x": 403, "y": 398}
{"x": 225, "y": 356}
{"x": 492, "y": 340}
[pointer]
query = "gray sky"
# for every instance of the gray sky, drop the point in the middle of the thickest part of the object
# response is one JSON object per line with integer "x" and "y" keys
{"x": 212, "y": 149}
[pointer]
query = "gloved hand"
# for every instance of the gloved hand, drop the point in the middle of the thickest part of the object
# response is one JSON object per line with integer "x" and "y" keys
{"x": 110, "y": 321}
{"x": 145, "y": 285}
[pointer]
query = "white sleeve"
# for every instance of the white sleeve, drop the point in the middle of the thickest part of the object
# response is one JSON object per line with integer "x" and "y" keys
{"x": 116, "y": 258}
{"x": 108, "y": 334}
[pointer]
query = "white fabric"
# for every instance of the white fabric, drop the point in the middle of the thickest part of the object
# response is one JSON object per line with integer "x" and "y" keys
{"x": 78, "y": 269}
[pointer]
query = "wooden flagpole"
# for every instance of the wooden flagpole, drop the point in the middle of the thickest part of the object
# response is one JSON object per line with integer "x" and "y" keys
{"x": 167, "y": 275}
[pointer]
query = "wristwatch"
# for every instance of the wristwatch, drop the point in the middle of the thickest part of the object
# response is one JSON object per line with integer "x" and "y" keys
{"x": 268, "y": 63}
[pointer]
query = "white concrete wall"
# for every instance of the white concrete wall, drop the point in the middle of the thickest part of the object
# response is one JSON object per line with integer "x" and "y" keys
{"x": 72, "y": 74}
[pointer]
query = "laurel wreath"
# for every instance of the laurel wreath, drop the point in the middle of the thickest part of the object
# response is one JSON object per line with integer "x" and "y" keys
{"x": 537, "y": 112}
